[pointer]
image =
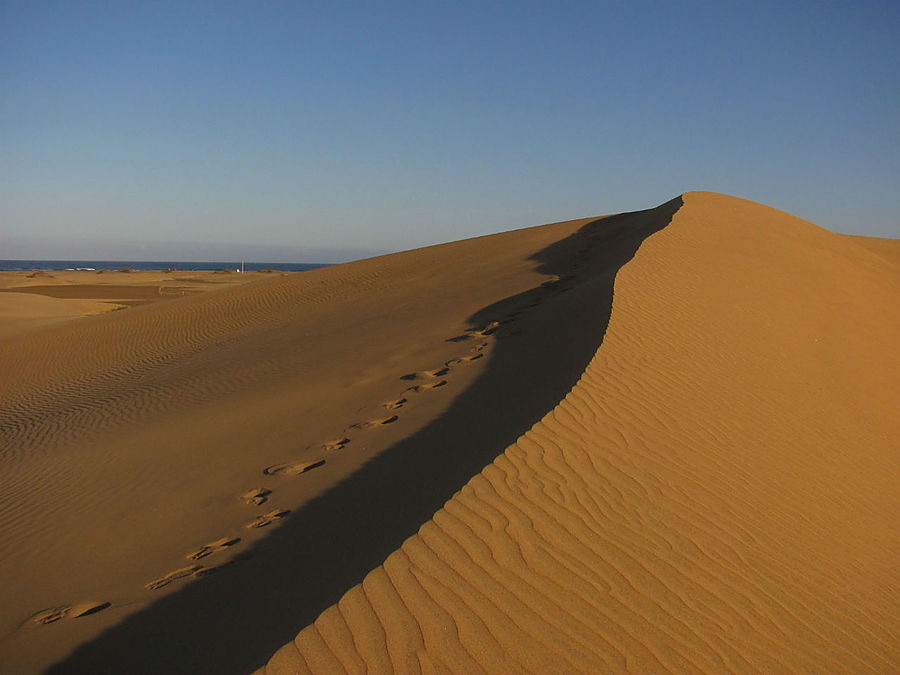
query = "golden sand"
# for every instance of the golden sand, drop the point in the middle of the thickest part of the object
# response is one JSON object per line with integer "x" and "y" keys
{"x": 39, "y": 298}
{"x": 446, "y": 460}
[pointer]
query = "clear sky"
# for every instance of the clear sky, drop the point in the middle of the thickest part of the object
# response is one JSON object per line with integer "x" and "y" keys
{"x": 291, "y": 129}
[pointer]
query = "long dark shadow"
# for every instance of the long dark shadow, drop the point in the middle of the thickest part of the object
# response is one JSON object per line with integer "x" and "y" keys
{"x": 233, "y": 621}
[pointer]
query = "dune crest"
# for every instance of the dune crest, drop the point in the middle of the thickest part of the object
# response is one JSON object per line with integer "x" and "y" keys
{"x": 717, "y": 493}
{"x": 267, "y": 445}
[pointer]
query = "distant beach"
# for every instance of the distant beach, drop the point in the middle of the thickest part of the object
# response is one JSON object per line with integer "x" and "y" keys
{"x": 20, "y": 265}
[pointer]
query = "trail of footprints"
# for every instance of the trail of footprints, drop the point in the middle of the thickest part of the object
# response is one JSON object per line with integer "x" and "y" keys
{"x": 424, "y": 381}
{"x": 54, "y": 614}
{"x": 214, "y": 547}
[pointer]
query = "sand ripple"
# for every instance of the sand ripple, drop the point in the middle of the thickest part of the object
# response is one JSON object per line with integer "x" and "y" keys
{"x": 703, "y": 500}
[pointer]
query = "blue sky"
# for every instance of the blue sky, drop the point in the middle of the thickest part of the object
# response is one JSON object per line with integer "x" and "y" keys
{"x": 326, "y": 130}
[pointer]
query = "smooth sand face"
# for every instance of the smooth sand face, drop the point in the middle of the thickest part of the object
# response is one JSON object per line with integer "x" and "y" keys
{"x": 715, "y": 490}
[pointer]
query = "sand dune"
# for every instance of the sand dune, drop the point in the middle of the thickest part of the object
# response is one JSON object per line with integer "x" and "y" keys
{"x": 133, "y": 439}
{"x": 472, "y": 457}
{"x": 717, "y": 493}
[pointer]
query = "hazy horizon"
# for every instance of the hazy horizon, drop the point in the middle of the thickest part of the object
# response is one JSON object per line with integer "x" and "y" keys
{"x": 181, "y": 251}
{"x": 19, "y": 248}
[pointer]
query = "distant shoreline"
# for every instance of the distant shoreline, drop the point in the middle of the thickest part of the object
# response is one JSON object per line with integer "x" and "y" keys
{"x": 151, "y": 265}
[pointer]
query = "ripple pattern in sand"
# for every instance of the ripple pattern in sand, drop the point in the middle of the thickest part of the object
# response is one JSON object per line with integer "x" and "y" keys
{"x": 640, "y": 527}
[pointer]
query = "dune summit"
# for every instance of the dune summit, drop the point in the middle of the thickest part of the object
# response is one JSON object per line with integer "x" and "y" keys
{"x": 657, "y": 441}
{"x": 718, "y": 492}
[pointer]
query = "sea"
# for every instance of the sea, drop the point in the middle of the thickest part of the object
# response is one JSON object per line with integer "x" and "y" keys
{"x": 96, "y": 265}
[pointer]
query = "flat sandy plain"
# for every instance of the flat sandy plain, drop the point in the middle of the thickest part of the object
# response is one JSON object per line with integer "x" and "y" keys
{"x": 661, "y": 441}
{"x": 33, "y": 299}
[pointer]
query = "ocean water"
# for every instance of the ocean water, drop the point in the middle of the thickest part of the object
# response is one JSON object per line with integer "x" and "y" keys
{"x": 18, "y": 265}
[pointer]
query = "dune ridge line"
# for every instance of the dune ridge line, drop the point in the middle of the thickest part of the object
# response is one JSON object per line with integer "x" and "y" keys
{"x": 703, "y": 499}
{"x": 227, "y": 428}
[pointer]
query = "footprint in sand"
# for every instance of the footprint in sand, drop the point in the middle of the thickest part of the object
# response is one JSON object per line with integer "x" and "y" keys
{"x": 181, "y": 573}
{"x": 267, "y": 519}
{"x": 214, "y": 547}
{"x": 371, "y": 424}
{"x": 293, "y": 468}
{"x": 463, "y": 360}
{"x": 427, "y": 385}
{"x": 394, "y": 405}
{"x": 256, "y": 496}
{"x": 192, "y": 571}
{"x": 336, "y": 444}
{"x": 69, "y": 612}
{"x": 489, "y": 329}
{"x": 426, "y": 374}
{"x": 51, "y": 615}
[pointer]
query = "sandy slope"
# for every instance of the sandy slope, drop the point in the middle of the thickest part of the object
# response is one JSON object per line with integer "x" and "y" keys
{"x": 133, "y": 442}
{"x": 717, "y": 493}
{"x": 714, "y": 492}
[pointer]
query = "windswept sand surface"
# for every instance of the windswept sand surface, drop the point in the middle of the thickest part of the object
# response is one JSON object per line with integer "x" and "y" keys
{"x": 473, "y": 457}
{"x": 145, "y": 448}
{"x": 717, "y": 493}
{"x": 30, "y": 300}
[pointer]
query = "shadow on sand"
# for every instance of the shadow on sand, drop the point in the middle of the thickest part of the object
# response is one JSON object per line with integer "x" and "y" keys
{"x": 233, "y": 621}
